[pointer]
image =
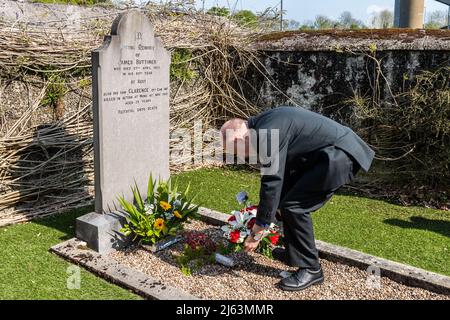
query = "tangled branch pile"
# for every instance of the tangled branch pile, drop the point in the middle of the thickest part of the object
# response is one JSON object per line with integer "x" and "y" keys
{"x": 410, "y": 130}
{"x": 46, "y": 162}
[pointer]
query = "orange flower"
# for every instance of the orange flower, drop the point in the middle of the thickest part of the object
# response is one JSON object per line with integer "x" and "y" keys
{"x": 177, "y": 214}
{"x": 166, "y": 206}
{"x": 159, "y": 224}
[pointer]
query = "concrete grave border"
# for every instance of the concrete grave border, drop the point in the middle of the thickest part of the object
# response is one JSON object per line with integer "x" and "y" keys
{"x": 76, "y": 251}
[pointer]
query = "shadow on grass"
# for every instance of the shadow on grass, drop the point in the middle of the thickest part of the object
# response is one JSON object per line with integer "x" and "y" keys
{"x": 64, "y": 222}
{"x": 438, "y": 226}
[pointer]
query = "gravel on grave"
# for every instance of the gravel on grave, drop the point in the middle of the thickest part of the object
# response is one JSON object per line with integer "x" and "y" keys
{"x": 255, "y": 276}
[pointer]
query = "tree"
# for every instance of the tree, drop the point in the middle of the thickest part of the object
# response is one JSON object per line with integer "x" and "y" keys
{"x": 269, "y": 19}
{"x": 346, "y": 21}
{"x": 323, "y": 22}
{"x": 307, "y": 25}
{"x": 246, "y": 18}
{"x": 436, "y": 19}
{"x": 383, "y": 19}
{"x": 219, "y": 11}
{"x": 289, "y": 24}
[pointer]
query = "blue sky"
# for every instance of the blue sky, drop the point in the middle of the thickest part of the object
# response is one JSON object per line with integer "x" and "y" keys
{"x": 302, "y": 10}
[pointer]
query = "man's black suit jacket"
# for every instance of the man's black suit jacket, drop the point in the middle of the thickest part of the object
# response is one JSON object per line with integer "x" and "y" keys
{"x": 301, "y": 134}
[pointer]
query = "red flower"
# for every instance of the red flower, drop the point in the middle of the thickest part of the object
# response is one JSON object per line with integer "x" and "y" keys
{"x": 232, "y": 218}
{"x": 197, "y": 240}
{"x": 234, "y": 236}
{"x": 273, "y": 238}
{"x": 251, "y": 223}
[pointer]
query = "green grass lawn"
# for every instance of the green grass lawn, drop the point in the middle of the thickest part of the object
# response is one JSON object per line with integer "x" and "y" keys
{"x": 416, "y": 236}
{"x": 29, "y": 271}
{"x": 411, "y": 235}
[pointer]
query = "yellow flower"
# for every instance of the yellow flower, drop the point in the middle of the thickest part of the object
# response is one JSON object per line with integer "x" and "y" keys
{"x": 166, "y": 206}
{"x": 177, "y": 214}
{"x": 159, "y": 224}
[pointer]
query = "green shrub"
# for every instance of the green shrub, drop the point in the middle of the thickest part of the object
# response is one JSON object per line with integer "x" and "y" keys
{"x": 56, "y": 90}
{"x": 163, "y": 212}
{"x": 180, "y": 67}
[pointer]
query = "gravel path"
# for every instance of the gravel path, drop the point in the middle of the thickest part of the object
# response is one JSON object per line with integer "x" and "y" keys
{"x": 255, "y": 276}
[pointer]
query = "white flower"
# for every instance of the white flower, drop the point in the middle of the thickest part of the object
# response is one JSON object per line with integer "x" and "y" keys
{"x": 249, "y": 215}
{"x": 168, "y": 215}
{"x": 176, "y": 204}
{"x": 148, "y": 207}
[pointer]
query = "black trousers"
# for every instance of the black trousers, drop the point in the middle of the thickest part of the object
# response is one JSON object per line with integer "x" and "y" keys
{"x": 307, "y": 187}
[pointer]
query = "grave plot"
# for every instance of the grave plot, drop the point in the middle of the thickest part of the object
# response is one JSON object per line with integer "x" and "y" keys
{"x": 255, "y": 276}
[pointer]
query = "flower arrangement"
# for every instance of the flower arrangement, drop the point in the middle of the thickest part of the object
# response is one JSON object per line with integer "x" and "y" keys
{"x": 240, "y": 225}
{"x": 198, "y": 240}
{"x": 161, "y": 213}
{"x": 199, "y": 249}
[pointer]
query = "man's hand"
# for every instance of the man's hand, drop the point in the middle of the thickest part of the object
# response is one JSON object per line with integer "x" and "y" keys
{"x": 250, "y": 243}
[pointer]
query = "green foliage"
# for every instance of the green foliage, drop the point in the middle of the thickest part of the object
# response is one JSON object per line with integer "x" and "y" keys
{"x": 180, "y": 67}
{"x": 347, "y": 21}
{"x": 84, "y": 83}
{"x": 194, "y": 258}
{"x": 306, "y": 27}
{"x": 383, "y": 19}
{"x": 373, "y": 48}
{"x": 246, "y": 18}
{"x": 323, "y": 22}
{"x": 265, "y": 250}
{"x": 161, "y": 213}
{"x": 219, "y": 11}
{"x": 230, "y": 248}
{"x": 432, "y": 25}
{"x": 56, "y": 90}
{"x": 436, "y": 19}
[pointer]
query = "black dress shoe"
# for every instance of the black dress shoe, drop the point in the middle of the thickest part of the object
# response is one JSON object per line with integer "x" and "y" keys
{"x": 302, "y": 279}
{"x": 279, "y": 254}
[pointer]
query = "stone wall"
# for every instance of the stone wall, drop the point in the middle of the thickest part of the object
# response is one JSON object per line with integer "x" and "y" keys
{"x": 322, "y": 72}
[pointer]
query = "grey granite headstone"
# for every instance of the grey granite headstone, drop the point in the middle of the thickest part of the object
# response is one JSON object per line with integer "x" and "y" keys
{"x": 131, "y": 110}
{"x": 130, "y": 85}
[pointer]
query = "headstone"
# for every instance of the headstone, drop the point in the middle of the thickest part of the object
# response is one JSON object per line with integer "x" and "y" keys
{"x": 131, "y": 109}
{"x": 130, "y": 85}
